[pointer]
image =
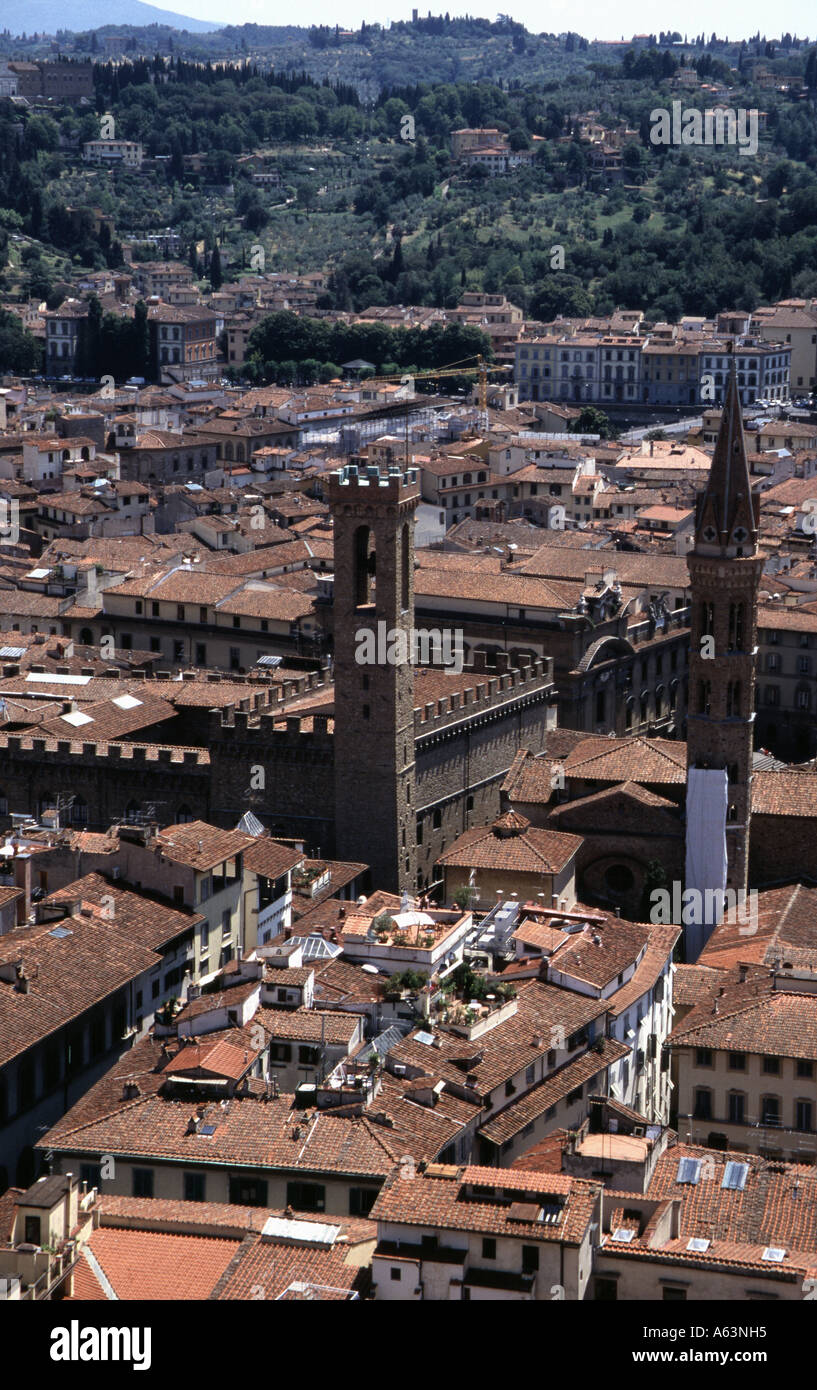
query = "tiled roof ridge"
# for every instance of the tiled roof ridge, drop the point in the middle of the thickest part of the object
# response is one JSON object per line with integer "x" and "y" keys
{"x": 738, "y": 1008}
{"x": 108, "y": 1114}
{"x": 232, "y": 1268}
{"x": 649, "y": 743}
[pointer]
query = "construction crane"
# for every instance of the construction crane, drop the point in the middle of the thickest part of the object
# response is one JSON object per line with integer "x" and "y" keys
{"x": 481, "y": 370}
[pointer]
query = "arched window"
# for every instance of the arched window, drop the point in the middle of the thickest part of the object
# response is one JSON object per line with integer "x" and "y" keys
{"x": 184, "y": 815}
{"x": 78, "y": 813}
{"x": 363, "y": 566}
{"x": 735, "y": 626}
{"x": 707, "y": 619}
{"x": 132, "y": 810}
{"x": 732, "y": 699}
{"x": 86, "y": 637}
{"x": 46, "y": 801}
{"x": 704, "y": 697}
{"x": 405, "y": 569}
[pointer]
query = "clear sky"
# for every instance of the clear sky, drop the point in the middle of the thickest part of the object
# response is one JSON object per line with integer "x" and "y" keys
{"x": 592, "y": 18}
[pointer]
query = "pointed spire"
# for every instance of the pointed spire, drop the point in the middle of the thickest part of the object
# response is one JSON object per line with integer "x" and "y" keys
{"x": 726, "y": 521}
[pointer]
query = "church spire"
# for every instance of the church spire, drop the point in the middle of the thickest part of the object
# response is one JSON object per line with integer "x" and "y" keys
{"x": 726, "y": 524}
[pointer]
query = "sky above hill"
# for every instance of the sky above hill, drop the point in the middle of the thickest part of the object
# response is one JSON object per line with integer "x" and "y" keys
{"x": 592, "y": 18}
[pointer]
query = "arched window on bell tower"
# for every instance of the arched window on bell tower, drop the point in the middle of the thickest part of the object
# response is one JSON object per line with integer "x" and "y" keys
{"x": 735, "y": 627}
{"x": 364, "y": 567}
{"x": 732, "y": 699}
{"x": 707, "y": 618}
{"x": 704, "y": 697}
{"x": 405, "y": 557}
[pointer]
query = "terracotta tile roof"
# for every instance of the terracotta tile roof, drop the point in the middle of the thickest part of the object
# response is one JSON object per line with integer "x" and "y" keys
{"x": 558, "y": 562}
{"x": 778, "y": 1025}
{"x": 204, "y": 1218}
{"x": 601, "y": 951}
{"x": 693, "y": 983}
{"x": 148, "y": 921}
{"x": 270, "y": 859}
{"x": 638, "y": 759}
{"x": 782, "y": 619}
{"x": 219, "y": 1058}
{"x": 160, "y": 1264}
{"x": 786, "y": 932}
{"x": 108, "y": 720}
{"x": 784, "y": 794}
{"x": 591, "y": 1064}
{"x": 625, "y": 807}
{"x": 546, "y": 935}
{"x": 442, "y": 1199}
{"x": 507, "y": 1047}
{"x": 659, "y": 950}
{"x": 776, "y": 1207}
{"x": 270, "y": 1269}
{"x": 202, "y": 846}
{"x": 514, "y": 589}
{"x": 516, "y": 848}
{"x": 67, "y": 974}
{"x": 309, "y": 1025}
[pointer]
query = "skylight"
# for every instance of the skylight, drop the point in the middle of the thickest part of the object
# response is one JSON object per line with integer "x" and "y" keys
{"x": 77, "y": 718}
{"x": 126, "y": 702}
{"x": 623, "y": 1234}
{"x": 207, "y": 1129}
{"x": 773, "y": 1254}
{"x": 60, "y": 932}
{"x": 689, "y": 1170}
{"x": 735, "y": 1175}
{"x": 698, "y": 1245}
{"x": 55, "y": 678}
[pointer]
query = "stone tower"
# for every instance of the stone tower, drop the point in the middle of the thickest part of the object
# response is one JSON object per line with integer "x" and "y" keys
{"x": 725, "y": 572}
{"x": 375, "y": 815}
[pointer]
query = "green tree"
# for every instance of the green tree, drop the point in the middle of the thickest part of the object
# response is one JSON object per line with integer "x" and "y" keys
{"x": 216, "y": 277}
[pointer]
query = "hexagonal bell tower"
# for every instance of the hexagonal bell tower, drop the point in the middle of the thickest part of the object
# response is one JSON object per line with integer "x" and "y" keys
{"x": 375, "y": 815}
{"x": 725, "y": 571}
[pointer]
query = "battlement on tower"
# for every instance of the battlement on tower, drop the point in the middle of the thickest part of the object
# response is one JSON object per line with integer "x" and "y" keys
{"x": 367, "y": 481}
{"x": 487, "y": 690}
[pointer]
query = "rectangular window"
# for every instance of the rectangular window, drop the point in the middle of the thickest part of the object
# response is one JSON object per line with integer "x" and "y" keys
{"x": 248, "y": 1192}
{"x": 32, "y": 1230}
{"x": 361, "y": 1200}
{"x": 488, "y": 1248}
{"x": 530, "y": 1259}
{"x": 737, "y": 1061}
{"x": 703, "y": 1105}
{"x": 306, "y": 1196}
{"x": 194, "y": 1187}
{"x": 143, "y": 1182}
